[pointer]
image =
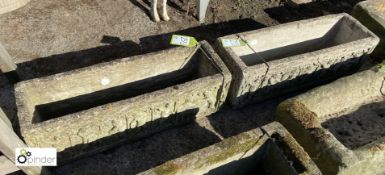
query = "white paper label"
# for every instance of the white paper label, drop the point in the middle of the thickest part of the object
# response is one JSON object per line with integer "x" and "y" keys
{"x": 253, "y": 42}
{"x": 231, "y": 43}
{"x": 180, "y": 40}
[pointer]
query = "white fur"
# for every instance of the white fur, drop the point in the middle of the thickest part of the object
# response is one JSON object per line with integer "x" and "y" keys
{"x": 154, "y": 11}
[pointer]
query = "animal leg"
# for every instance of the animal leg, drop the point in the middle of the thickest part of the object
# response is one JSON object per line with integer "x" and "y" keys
{"x": 154, "y": 11}
{"x": 164, "y": 12}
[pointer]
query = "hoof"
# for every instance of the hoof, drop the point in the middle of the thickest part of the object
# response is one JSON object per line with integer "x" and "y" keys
{"x": 156, "y": 18}
{"x": 166, "y": 18}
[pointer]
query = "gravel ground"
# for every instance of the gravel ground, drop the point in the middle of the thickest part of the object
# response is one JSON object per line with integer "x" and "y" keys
{"x": 53, "y": 36}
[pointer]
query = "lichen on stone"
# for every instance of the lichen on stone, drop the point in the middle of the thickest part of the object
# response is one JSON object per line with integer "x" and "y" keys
{"x": 232, "y": 148}
{"x": 300, "y": 113}
{"x": 381, "y": 67}
{"x": 169, "y": 168}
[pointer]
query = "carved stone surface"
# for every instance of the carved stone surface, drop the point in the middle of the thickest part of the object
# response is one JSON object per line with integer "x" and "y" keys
{"x": 91, "y": 109}
{"x": 295, "y": 56}
{"x": 341, "y": 125}
{"x": 252, "y": 152}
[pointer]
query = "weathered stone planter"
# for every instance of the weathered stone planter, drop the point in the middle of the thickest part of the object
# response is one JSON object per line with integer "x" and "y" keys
{"x": 372, "y": 15}
{"x": 252, "y": 152}
{"x": 10, "y": 5}
{"x": 298, "y": 55}
{"x": 341, "y": 125}
{"x": 93, "y": 108}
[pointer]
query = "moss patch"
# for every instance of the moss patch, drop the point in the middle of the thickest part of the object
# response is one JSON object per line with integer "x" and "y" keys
{"x": 298, "y": 152}
{"x": 299, "y": 112}
{"x": 318, "y": 135}
{"x": 168, "y": 168}
{"x": 231, "y": 148}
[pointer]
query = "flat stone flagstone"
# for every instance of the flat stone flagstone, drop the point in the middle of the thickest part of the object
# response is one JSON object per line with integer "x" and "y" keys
{"x": 371, "y": 13}
{"x": 294, "y": 56}
{"x": 270, "y": 150}
{"x": 341, "y": 125}
{"x": 94, "y": 108}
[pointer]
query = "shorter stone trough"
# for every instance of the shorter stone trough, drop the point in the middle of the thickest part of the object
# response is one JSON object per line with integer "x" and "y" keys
{"x": 94, "y": 108}
{"x": 341, "y": 125}
{"x": 270, "y": 150}
{"x": 295, "y": 56}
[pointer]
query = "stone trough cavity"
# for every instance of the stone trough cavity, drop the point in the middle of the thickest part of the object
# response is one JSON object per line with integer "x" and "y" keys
{"x": 292, "y": 56}
{"x": 94, "y": 108}
{"x": 359, "y": 127}
{"x": 270, "y": 150}
{"x": 341, "y": 125}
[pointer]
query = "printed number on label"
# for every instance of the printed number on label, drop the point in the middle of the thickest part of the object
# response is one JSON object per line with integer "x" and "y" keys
{"x": 231, "y": 43}
{"x": 180, "y": 40}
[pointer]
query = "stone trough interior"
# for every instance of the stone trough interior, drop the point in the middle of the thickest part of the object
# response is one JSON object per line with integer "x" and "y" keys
{"x": 359, "y": 127}
{"x": 110, "y": 83}
{"x": 273, "y": 157}
{"x": 291, "y": 40}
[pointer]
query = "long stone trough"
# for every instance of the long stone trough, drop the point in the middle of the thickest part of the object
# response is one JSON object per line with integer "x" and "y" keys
{"x": 341, "y": 125}
{"x": 294, "y": 56}
{"x": 93, "y": 108}
{"x": 270, "y": 150}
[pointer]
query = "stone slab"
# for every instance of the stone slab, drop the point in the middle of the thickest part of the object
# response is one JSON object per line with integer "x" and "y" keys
{"x": 341, "y": 124}
{"x": 371, "y": 13}
{"x": 270, "y": 149}
{"x": 289, "y": 57}
{"x": 91, "y": 109}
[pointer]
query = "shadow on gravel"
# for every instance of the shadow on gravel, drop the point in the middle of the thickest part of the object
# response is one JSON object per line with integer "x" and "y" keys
{"x": 230, "y": 122}
{"x": 117, "y": 49}
{"x": 285, "y": 13}
{"x": 142, "y": 155}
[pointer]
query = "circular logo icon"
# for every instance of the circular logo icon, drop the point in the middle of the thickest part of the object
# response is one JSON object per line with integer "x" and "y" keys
{"x": 22, "y": 159}
{"x": 23, "y": 152}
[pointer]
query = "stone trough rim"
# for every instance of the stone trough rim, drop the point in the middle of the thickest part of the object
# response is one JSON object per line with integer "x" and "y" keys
{"x": 263, "y": 134}
{"x": 262, "y": 66}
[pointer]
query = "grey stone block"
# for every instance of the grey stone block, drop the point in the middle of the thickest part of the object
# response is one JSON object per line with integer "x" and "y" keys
{"x": 295, "y": 56}
{"x": 252, "y": 152}
{"x": 341, "y": 125}
{"x": 91, "y": 109}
